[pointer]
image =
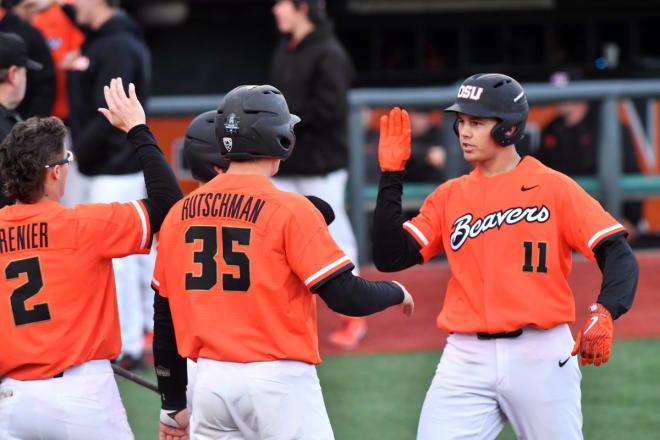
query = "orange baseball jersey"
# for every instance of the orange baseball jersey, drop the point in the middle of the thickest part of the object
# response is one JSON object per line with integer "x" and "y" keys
{"x": 63, "y": 37}
{"x": 238, "y": 260}
{"x": 59, "y": 306}
{"x": 509, "y": 239}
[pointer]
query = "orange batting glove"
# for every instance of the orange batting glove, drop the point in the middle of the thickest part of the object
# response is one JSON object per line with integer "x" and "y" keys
{"x": 594, "y": 342}
{"x": 394, "y": 142}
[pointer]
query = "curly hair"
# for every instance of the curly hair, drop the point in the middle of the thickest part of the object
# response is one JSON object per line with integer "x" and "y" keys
{"x": 29, "y": 146}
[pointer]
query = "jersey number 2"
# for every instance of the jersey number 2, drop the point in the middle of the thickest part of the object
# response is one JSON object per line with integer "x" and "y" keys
{"x": 529, "y": 249}
{"x": 34, "y": 284}
{"x": 206, "y": 258}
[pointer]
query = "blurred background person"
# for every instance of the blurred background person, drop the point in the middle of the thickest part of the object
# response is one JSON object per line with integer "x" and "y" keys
{"x": 14, "y": 64}
{"x": 55, "y": 19}
{"x": 314, "y": 73}
{"x": 63, "y": 37}
{"x": 113, "y": 48}
{"x": 569, "y": 143}
{"x": 428, "y": 157}
{"x": 40, "y": 94}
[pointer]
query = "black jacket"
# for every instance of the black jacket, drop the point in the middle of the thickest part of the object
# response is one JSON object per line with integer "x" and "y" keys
{"x": 7, "y": 120}
{"x": 40, "y": 91}
{"x": 574, "y": 151}
{"x": 315, "y": 77}
{"x": 116, "y": 49}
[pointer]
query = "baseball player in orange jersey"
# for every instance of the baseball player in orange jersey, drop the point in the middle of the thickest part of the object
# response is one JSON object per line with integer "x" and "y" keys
{"x": 202, "y": 153}
{"x": 508, "y": 229}
{"x": 237, "y": 263}
{"x": 58, "y": 323}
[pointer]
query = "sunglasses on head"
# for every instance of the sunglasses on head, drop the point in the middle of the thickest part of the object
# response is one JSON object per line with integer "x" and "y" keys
{"x": 67, "y": 160}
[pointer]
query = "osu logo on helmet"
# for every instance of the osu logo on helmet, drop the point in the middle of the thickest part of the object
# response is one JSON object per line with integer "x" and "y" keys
{"x": 470, "y": 92}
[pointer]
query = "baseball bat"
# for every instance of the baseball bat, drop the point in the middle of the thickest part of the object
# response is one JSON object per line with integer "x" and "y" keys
{"x": 123, "y": 372}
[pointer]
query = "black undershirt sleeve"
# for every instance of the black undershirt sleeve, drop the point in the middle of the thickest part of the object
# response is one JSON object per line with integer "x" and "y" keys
{"x": 620, "y": 269}
{"x": 171, "y": 368}
{"x": 393, "y": 247}
{"x": 162, "y": 187}
{"x": 355, "y": 296}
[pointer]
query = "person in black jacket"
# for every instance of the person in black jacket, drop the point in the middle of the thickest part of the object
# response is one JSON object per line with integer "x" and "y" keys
{"x": 40, "y": 95}
{"x": 14, "y": 65}
{"x": 569, "y": 143}
{"x": 113, "y": 48}
{"x": 313, "y": 71}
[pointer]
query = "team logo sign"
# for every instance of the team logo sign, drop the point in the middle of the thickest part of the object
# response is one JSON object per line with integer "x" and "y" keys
{"x": 227, "y": 142}
{"x": 470, "y": 92}
{"x": 465, "y": 228}
{"x": 232, "y": 124}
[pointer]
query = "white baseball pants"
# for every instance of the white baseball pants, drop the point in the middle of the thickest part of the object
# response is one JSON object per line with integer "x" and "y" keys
{"x": 276, "y": 400}
{"x": 83, "y": 404}
{"x": 531, "y": 381}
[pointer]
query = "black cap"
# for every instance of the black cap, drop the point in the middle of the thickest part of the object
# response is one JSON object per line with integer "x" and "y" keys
{"x": 13, "y": 52}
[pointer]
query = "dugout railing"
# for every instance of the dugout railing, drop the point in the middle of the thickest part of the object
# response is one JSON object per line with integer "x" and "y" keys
{"x": 610, "y": 186}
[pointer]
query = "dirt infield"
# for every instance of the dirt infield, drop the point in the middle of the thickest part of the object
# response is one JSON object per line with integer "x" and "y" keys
{"x": 391, "y": 331}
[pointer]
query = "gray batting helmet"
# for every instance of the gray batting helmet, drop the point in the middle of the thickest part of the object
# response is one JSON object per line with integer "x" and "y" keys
{"x": 254, "y": 122}
{"x": 201, "y": 149}
{"x": 493, "y": 95}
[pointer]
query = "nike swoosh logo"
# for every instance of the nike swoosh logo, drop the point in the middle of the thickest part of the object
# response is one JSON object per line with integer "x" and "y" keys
{"x": 594, "y": 319}
{"x": 523, "y": 188}
{"x": 561, "y": 364}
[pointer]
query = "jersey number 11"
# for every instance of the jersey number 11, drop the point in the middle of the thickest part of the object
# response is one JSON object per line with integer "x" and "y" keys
{"x": 529, "y": 249}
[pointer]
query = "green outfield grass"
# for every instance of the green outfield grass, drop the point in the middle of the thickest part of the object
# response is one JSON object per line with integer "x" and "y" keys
{"x": 379, "y": 397}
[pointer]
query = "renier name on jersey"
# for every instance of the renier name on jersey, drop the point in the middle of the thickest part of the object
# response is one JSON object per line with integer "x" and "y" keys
{"x": 19, "y": 237}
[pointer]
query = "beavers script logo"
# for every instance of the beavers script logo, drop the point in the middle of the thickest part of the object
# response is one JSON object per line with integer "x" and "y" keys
{"x": 465, "y": 228}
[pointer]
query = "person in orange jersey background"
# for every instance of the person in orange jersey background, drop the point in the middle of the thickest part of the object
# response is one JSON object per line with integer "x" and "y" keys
{"x": 64, "y": 40}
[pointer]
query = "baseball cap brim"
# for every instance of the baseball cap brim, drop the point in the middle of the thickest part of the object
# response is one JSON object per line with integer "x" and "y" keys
{"x": 33, "y": 65}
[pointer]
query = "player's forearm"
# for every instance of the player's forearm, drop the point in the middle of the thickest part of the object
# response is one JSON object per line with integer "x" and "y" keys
{"x": 171, "y": 368}
{"x": 620, "y": 275}
{"x": 393, "y": 247}
{"x": 355, "y": 296}
{"x": 162, "y": 187}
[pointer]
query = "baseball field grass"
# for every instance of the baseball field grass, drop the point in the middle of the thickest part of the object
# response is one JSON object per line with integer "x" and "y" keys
{"x": 379, "y": 396}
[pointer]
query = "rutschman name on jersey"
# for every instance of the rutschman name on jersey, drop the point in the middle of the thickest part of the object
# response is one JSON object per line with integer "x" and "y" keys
{"x": 465, "y": 228}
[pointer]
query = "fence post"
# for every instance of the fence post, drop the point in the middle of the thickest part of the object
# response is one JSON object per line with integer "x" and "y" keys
{"x": 609, "y": 155}
{"x": 356, "y": 181}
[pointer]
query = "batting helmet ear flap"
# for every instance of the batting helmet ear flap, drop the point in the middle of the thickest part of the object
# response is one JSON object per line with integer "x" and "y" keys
{"x": 499, "y": 132}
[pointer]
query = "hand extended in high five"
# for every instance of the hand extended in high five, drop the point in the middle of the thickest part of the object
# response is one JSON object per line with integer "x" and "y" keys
{"x": 124, "y": 112}
{"x": 407, "y": 305}
{"x": 394, "y": 142}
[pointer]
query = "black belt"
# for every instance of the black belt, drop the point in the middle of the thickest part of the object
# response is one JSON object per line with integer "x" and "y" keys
{"x": 487, "y": 336}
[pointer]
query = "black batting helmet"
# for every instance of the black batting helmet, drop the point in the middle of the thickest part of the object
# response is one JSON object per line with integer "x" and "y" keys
{"x": 201, "y": 149}
{"x": 493, "y": 95}
{"x": 254, "y": 122}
